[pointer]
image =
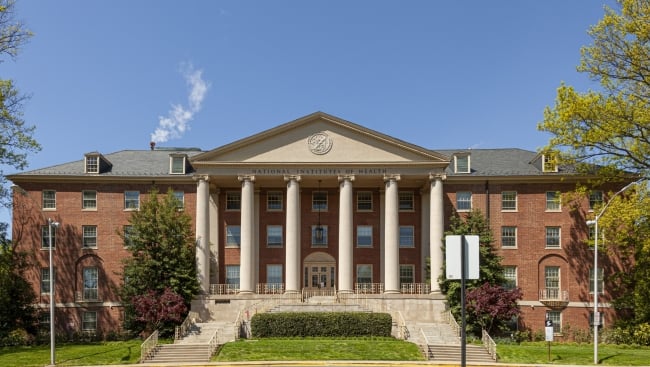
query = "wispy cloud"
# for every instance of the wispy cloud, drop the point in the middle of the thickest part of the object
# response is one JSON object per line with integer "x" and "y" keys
{"x": 177, "y": 121}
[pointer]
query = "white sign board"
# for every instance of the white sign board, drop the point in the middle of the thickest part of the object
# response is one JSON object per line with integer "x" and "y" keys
{"x": 549, "y": 333}
{"x": 453, "y": 260}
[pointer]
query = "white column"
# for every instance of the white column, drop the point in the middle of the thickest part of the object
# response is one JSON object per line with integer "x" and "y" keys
{"x": 425, "y": 233}
{"x": 256, "y": 240}
{"x": 391, "y": 255}
{"x": 292, "y": 253}
{"x": 246, "y": 227}
{"x": 214, "y": 236}
{"x": 346, "y": 235}
{"x": 382, "y": 235}
{"x": 203, "y": 233}
{"x": 437, "y": 224}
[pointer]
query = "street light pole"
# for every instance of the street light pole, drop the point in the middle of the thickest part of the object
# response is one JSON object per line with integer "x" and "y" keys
{"x": 51, "y": 224}
{"x": 594, "y": 222}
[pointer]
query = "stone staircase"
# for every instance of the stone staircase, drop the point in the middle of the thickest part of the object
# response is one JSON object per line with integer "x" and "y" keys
{"x": 193, "y": 348}
{"x": 439, "y": 342}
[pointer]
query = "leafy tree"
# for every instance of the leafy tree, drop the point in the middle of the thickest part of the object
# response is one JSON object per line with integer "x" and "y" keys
{"x": 493, "y": 305}
{"x": 15, "y": 136}
{"x": 156, "y": 309}
{"x": 162, "y": 245}
{"x": 608, "y": 127}
{"x": 16, "y": 294}
{"x": 490, "y": 271}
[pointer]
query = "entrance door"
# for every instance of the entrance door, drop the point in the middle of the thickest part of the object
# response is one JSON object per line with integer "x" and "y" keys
{"x": 320, "y": 275}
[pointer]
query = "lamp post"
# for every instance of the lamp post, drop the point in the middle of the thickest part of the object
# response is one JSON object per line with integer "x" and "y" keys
{"x": 51, "y": 224}
{"x": 594, "y": 222}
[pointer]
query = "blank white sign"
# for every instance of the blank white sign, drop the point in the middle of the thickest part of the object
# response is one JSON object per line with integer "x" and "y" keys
{"x": 452, "y": 258}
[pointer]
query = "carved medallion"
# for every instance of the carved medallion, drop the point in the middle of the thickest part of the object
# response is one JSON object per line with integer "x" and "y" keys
{"x": 319, "y": 143}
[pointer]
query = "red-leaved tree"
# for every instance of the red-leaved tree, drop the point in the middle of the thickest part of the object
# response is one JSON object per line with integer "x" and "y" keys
{"x": 156, "y": 309}
{"x": 493, "y": 305}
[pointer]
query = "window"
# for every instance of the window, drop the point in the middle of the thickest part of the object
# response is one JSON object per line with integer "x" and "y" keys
{"x": 89, "y": 199}
{"x": 89, "y": 321}
{"x": 177, "y": 164}
{"x": 233, "y": 236}
{"x": 274, "y": 273}
{"x": 509, "y": 200}
{"x": 364, "y": 273}
{"x": 553, "y": 201}
{"x": 233, "y": 200}
{"x": 600, "y": 281}
{"x": 552, "y": 282}
{"x": 319, "y": 200}
{"x": 92, "y": 164}
{"x": 90, "y": 283}
{"x": 232, "y": 277}
{"x": 131, "y": 200}
{"x": 461, "y": 162}
{"x": 406, "y": 236}
{"x": 274, "y": 236}
{"x": 556, "y": 318}
{"x": 274, "y": 201}
{"x": 463, "y": 201}
{"x": 89, "y": 236}
{"x": 406, "y": 274}
{"x": 364, "y": 236}
{"x": 45, "y": 237}
{"x": 316, "y": 239}
{"x": 180, "y": 198}
{"x": 508, "y": 236}
{"x": 549, "y": 163}
{"x": 552, "y": 237}
{"x": 45, "y": 280}
{"x": 601, "y": 319}
{"x": 510, "y": 273}
{"x": 595, "y": 199}
{"x": 128, "y": 235}
{"x": 49, "y": 199}
{"x": 406, "y": 201}
{"x": 364, "y": 201}
{"x": 44, "y": 320}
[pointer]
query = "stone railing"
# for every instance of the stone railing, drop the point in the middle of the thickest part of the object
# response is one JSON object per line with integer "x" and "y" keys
{"x": 224, "y": 289}
{"x": 270, "y": 288}
{"x": 148, "y": 346}
{"x": 415, "y": 288}
{"x": 214, "y": 344}
{"x": 448, "y": 317}
{"x": 489, "y": 344}
{"x": 368, "y": 288}
{"x": 181, "y": 331}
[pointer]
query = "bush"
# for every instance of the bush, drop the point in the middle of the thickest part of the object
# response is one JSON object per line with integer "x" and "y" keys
{"x": 17, "y": 337}
{"x": 323, "y": 324}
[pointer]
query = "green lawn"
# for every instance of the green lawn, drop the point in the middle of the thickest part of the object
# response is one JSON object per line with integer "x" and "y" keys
{"x": 72, "y": 354}
{"x": 573, "y": 354}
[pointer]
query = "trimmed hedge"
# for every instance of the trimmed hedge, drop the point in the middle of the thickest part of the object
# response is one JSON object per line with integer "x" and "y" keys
{"x": 323, "y": 324}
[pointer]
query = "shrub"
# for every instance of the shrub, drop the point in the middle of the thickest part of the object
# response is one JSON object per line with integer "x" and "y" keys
{"x": 17, "y": 337}
{"x": 323, "y": 324}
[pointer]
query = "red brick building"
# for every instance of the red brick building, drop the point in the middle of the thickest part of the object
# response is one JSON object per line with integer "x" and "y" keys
{"x": 316, "y": 203}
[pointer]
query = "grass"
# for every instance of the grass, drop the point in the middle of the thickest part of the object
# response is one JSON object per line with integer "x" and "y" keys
{"x": 573, "y": 354}
{"x": 125, "y": 352}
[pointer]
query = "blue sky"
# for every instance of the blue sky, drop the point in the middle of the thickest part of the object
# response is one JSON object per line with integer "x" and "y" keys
{"x": 105, "y": 75}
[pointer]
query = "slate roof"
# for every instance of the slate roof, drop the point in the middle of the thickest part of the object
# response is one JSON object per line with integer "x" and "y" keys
{"x": 501, "y": 162}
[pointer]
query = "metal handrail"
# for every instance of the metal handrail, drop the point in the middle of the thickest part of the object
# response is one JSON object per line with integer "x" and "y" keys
{"x": 489, "y": 344}
{"x": 181, "y": 331}
{"x": 214, "y": 343}
{"x": 449, "y": 318}
{"x": 148, "y": 346}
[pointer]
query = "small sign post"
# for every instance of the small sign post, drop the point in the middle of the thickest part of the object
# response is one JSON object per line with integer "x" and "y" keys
{"x": 549, "y": 335}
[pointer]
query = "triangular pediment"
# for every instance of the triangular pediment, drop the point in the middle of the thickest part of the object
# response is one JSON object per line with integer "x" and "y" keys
{"x": 319, "y": 138}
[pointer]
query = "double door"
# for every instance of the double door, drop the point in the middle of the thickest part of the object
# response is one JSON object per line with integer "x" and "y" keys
{"x": 320, "y": 275}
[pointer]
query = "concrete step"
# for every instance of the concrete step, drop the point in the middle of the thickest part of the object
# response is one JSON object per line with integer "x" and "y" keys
{"x": 180, "y": 353}
{"x": 473, "y": 353}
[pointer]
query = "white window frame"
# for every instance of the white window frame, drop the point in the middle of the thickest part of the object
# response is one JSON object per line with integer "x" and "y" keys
{"x": 595, "y": 199}
{"x": 364, "y": 236}
{"x": 364, "y": 272}
{"x": 272, "y": 232}
{"x": 180, "y": 196}
{"x": 88, "y": 238}
{"x": 406, "y": 201}
{"x": 601, "y": 281}
{"x": 510, "y": 273}
{"x": 509, "y": 197}
{"x": 314, "y": 241}
{"x": 364, "y": 201}
{"x": 553, "y": 201}
{"x": 233, "y": 201}
{"x": 549, "y": 163}
{"x": 556, "y": 317}
{"x": 233, "y": 276}
{"x": 463, "y": 199}
{"x": 91, "y": 164}
{"x": 319, "y": 201}
{"x": 403, "y": 269}
{"x": 89, "y": 321}
{"x": 45, "y": 280}
{"x": 45, "y": 239}
{"x": 131, "y": 200}
{"x": 174, "y": 164}
{"x": 406, "y": 240}
{"x": 233, "y": 236}
{"x": 274, "y": 274}
{"x": 458, "y": 163}
{"x": 550, "y": 237}
{"x": 552, "y": 280}
{"x": 90, "y": 283}
{"x": 48, "y": 203}
{"x": 274, "y": 201}
{"x": 89, "y": 199}
{"x": 511, "y": 235}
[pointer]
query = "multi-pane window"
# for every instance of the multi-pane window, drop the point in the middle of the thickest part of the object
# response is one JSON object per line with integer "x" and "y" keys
{"x": 233, "y": 200}
{"x": 406, "y": 236}
{"x": 552, "y": 237}
{"x": 90, "y": 280}
{"x": 49, "y": 199}
{"x": 92, "y": 164}
{"x": 364, "y": 236}
{"x": 89, "y": 321}
{"x": 319, "y": 236}
{"x": 274, "y": 273}
{"x": 45, "y": 280}
{"x": 509, "y": 200}
{"x": 364, "y": 201}
{"x": 319, "y": 200}
{"x": 510, "y": 273}
{"x": 552, "y": 281}
{"x": 44, "y": 320}
{"x": 508, "y": 236}
{"x": 600, "y": 280}
{"x": 274, "y": 236}
{"x": 406, "y": 201}
{"x": 274, "y": 201}
{"x": 180, "y": 199}
{"x": 595, "y": 199}
{"x": 233, "y": 236}
{"x": 601, "y": 318}
{"x": 89, "y": 199}
{"x": 406, "y": 274}
{"x": 177, "y": 165}
{"x": 128, "y": 235}
{"x": 45, "y": 237}
{"x": 556, "y": 318}
{"x": 462, "y": 163}
{"x": 364, "y": 273}
{"x": 232, "y": 276}
{"x": 131, "y": 199}
{"x": 552, "y": 200}
{"x": 463, "y": 200}
{"x": 89, "y": 236}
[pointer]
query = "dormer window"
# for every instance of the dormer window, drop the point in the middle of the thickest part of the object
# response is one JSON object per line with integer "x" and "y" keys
{"x": 92, "y": 164}
{"x": 177, "y": 164}
{"x": 461, "y": 163}
{"x": 95, "y": 163}
{"x": 549, "y": 163}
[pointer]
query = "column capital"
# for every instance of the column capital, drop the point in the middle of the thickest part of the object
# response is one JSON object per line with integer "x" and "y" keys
{"x": 292, "y": 178}
{"x": 346, "y": 178}
{"x": 243, "y": 178}
{"x": 437, "y": 176}
{"x": 205, "y": 178}
{"x": 395, "y": 177}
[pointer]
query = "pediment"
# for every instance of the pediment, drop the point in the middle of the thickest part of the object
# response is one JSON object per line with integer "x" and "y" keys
{"x": 319, "y": 138}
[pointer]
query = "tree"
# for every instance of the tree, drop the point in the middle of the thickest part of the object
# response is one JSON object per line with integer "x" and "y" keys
{"x": 156, "y": 309}
{"x": 493, "y": 305}
{"x": 162, "y": 246}
{"x": 608, "y": 128}
{"x": 16, "y": 139}
{"x": 490, "y": 272}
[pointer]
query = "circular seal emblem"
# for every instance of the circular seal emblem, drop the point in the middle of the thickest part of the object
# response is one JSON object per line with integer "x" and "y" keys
{"x": 319, "y": 143}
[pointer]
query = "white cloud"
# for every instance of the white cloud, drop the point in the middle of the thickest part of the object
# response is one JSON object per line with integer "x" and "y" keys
{"x": 177, "y": 121}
